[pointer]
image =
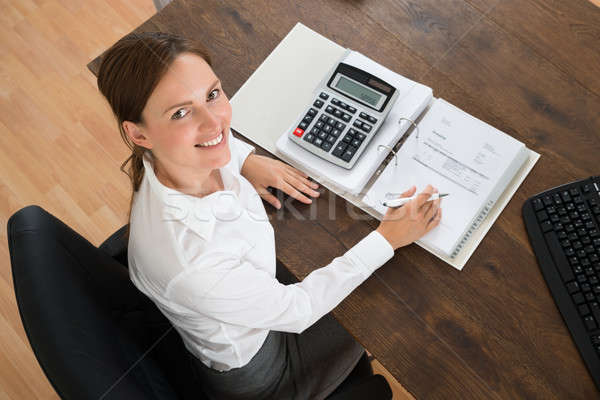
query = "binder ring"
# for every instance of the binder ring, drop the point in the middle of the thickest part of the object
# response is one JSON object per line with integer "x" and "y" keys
{"x": 412, "y": 123}
{"x": 391, "y": 149}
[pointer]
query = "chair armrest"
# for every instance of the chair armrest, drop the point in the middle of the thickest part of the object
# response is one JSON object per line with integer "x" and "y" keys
{"x": 116, "y": 245}
{"x": 373, "y": 387}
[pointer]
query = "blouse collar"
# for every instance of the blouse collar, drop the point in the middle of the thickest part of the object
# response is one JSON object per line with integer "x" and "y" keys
{"x": 198, "y": 213}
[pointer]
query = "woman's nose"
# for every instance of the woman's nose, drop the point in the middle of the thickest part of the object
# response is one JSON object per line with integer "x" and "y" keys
{"x": 207, "y": 119}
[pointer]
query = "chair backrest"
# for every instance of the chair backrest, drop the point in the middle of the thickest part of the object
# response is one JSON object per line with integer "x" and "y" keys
{"x": 94, "y": 334}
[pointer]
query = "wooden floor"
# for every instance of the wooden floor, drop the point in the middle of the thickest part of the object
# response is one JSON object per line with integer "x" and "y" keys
{"x": 59, "y": 144}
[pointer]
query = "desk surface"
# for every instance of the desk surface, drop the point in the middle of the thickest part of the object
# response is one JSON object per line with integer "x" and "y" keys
{"x": 530, "y": 68}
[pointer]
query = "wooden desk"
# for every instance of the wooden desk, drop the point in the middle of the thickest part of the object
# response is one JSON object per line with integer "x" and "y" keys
{"x": 529, "y": 67}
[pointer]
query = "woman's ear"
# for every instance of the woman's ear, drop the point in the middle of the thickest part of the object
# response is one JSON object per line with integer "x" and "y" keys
{"x": 136, "y": 135}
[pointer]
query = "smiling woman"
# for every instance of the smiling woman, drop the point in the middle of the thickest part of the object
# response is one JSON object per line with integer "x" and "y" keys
{"x": 200, "y": 242}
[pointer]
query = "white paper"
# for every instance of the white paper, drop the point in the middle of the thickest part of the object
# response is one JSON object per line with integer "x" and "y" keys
{"x": 459, "y": 155}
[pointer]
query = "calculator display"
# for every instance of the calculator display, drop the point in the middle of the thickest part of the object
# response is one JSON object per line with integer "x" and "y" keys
{"x": 358, "y": 91}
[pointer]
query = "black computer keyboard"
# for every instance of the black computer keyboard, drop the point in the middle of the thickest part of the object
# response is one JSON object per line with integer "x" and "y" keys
{"x": 563, "y": 224}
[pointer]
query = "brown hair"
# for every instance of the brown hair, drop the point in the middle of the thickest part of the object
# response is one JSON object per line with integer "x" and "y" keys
{"x": 129, "y": 72}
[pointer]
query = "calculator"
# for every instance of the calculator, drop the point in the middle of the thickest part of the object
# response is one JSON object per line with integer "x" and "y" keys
{"x": 346, "y": 111}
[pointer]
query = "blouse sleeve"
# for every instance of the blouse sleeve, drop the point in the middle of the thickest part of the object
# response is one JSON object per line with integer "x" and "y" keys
{"x": 240, "y": 150}
{"x": 234, "y": 291}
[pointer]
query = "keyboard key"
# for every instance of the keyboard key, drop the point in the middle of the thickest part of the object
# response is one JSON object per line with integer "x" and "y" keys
{"x": 335, "y": 102}
{"x": 366, "y": 127}
{"x": 322, "y": 135}
{"x": 559, "y": 257}
{"x": 324, "y": 96}
{"x": 318, "y": 103}
{"x": 340, "y": 126}
{"x": 312, "y": 112}
{"x": 578, "y": 298}
{"x": 346, "y": 117}
{"x": 331, "y": 139}
{"x": 542, "y": 216}
{"x": 357, "y": 124}
{"x": 351, "y": 109}
{"x": 537, "y": 204}
{"x": 336, "y": 132}
{"x": 348, "y": 138}
{"x": 557, "y": 199}
{"x": 329, "y": 109}
{"x": 573, "y": 287}
{"x": 595, "y": 308}
{"x": 590, "y": 323}
{"x": 584, "y": 310}
{"x": 590, "y": 297}
{"x": 331, "y": 121}
{"x": 323, "y": 118}
{"x": 326, "y": 146}
{"x": 546, "y": 226}
{"x": 318, "y": 142}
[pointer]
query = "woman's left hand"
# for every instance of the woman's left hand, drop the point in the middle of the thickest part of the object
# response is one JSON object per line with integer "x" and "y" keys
{"x": 263, "y": 172}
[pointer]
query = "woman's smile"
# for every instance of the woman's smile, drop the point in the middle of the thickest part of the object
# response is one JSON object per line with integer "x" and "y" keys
{"x": 214, "y": 143}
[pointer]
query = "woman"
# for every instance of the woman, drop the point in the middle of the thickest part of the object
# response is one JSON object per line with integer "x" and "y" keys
{"x": 200, "y": 243}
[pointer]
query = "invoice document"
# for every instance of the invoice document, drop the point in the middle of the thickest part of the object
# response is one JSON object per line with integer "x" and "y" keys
{"x": 460, "y": 155}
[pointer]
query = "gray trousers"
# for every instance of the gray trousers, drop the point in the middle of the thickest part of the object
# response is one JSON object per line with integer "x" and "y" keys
{"x": 310, "y": 365}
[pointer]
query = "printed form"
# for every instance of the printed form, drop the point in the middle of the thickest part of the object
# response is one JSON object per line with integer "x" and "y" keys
{"x": 459, "y": 155}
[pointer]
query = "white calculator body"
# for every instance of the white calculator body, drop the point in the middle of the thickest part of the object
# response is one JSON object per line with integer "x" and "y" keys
{"x": 345, "y": 113}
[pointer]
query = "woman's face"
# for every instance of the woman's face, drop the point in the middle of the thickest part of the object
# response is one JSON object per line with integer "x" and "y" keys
{"x": 185, "y": 117}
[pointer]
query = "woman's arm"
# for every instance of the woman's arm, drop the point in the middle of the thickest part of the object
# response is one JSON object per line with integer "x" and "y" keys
{"x": 234, "y": 291}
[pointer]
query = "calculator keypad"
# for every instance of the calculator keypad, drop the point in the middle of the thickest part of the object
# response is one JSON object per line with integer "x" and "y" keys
{"x": 331, "y": 132}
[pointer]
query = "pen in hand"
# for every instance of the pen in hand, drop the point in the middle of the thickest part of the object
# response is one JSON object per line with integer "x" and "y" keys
{"x": 395, "y": 203}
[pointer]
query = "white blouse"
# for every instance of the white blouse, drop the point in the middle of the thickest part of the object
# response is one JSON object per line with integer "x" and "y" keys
{"x": 209, "y": 265}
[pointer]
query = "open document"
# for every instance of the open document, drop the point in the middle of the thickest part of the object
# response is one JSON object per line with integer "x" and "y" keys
{"x": 460, "y": 155}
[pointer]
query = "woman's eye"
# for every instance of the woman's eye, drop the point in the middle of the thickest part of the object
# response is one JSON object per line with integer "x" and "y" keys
{"x": 214, "y": 94}
{"x": 179, "y": 114}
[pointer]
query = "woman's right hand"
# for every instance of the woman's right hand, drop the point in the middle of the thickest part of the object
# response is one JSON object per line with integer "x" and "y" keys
{"x": 402, "y": 226}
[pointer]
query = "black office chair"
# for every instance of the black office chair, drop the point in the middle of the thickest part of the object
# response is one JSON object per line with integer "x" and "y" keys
{"x": 94, "y": 334}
